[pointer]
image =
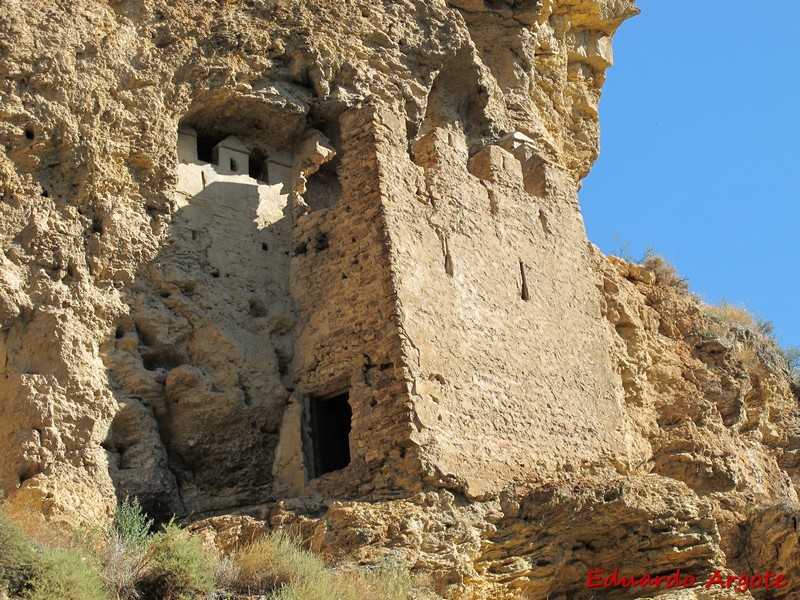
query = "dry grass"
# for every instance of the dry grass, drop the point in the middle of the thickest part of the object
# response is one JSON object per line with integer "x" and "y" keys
{"x": 752, "y": 337}
{"x": 278, "y": 567}
{"x": 730, "y": 314}
{"x": 665, "y": 272}
{"x": 124, "y": 567}
{"x": 273, "y": 562}
{"x": 126, "y": 562}
{"x": 746, "y": 355}
{"x": 386, "y": 582}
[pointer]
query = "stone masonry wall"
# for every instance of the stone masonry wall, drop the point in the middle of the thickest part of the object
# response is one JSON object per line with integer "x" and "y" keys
{"x": 349, "y": 338}
{"x": 511, "y": 375}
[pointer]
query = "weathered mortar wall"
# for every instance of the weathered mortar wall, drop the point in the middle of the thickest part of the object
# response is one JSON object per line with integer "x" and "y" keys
{"x": 349, "y": 338}
{"x": 504, "y": 387}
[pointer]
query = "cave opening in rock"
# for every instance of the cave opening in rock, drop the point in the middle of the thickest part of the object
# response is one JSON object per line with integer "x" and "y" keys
{"x": 229, "y": 153}
{"x": 331, "y": 418}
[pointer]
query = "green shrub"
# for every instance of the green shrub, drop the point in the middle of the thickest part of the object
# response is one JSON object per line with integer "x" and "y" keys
{"x": 791, "y": 355}
{"x": 17, "y": 558}
{"x": 124, "y": 556}
{"x": 765, "y": 327}
{"x": 131, "y": 524}
{"x": 66, "y": 574}
{"x": 44, "y": 573}
{"x": 177, "y": 565}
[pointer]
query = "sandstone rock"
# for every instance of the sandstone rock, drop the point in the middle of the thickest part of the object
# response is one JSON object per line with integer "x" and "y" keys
{"x": 389, "y": 330}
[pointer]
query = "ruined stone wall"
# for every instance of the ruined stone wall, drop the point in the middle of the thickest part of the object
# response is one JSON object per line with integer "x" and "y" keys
{"x": 350, "y": 336}
{"x": 511, "y": 373}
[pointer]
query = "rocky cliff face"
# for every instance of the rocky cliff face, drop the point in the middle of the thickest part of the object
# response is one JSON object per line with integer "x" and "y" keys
{"x": 322, "y": 264}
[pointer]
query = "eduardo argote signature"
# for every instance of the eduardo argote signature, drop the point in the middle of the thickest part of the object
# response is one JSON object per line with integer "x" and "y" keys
{"x": 599, "y": 578}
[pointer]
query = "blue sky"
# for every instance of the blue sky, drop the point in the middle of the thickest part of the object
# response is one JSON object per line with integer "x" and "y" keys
{"x": 700, "y": 159}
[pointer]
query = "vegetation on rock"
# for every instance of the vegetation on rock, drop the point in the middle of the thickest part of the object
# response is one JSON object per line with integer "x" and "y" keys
{"x": 129, "y": 562}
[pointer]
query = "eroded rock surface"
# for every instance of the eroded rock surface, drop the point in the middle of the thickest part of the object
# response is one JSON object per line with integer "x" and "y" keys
{"x": 322, "y": 265}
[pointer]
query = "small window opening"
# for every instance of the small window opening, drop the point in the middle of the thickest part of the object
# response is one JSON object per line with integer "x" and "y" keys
{"x": 258, "y": 165}
{"x": 234, "y": 165}
{"x": 205, "y": 147}
{"x": 331, "y": 419}
{"x": 448, "y": 258}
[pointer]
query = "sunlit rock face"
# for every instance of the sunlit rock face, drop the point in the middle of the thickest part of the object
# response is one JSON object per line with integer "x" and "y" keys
{"x": 322, "y": 264}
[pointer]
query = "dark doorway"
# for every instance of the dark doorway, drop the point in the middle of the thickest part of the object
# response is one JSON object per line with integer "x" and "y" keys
{"x": 205, "y": 147}
{"x": 258, "y": 160}
{"x": 330, "y": 433}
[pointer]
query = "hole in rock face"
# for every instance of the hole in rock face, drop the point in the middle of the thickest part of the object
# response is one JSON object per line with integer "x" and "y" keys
{"x": 331, "y": 418}
{"x": 162, "y": 357}
{"x": 321, "y": 242}
{"x": 254, "y": 164}
{"x": 524, "y": 293}
{"x": 459, "y": 99}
